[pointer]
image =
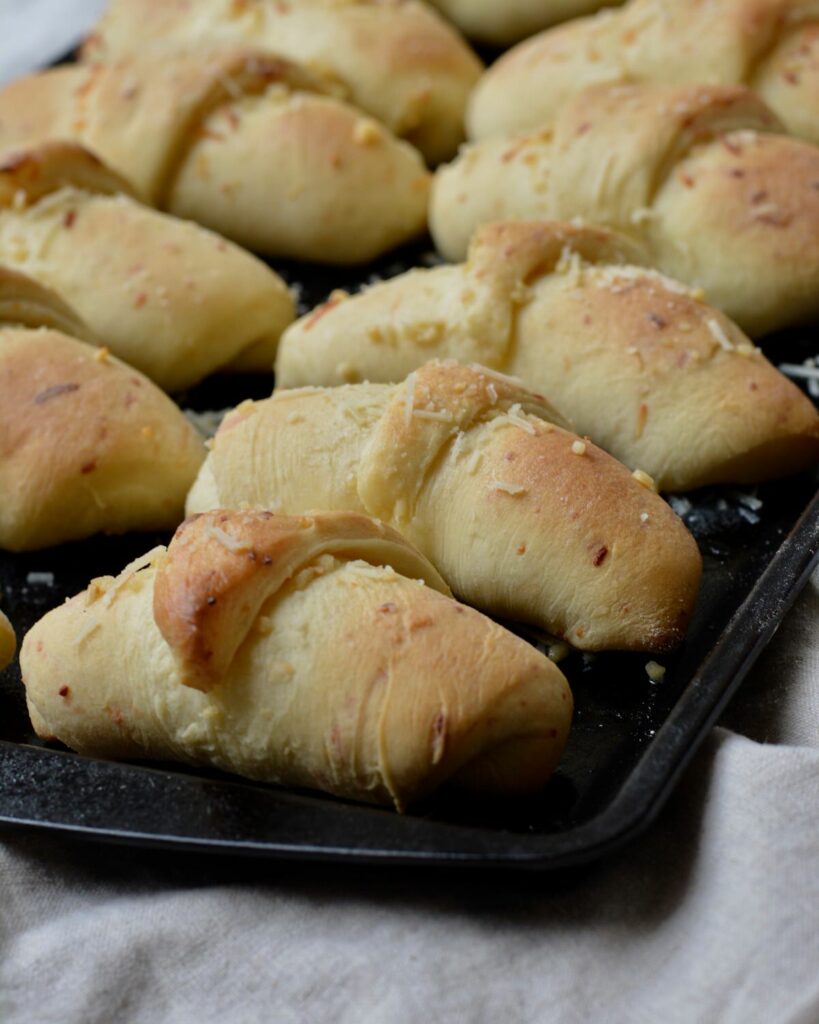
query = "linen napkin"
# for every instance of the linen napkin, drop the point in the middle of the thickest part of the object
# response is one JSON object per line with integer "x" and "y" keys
{"x": 36, "y": 32}
{"x": 711, "y": 916}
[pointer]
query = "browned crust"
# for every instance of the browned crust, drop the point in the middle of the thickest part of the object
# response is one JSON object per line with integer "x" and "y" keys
{"x": 29, "y": 174}
{"x": 222, "y": 566}
{"x": 402, "y": 62}
{"x": 159, "y": 99}
{"x": 77, "y": 429}
{"x": 519, "y": 251}
{"x": 409, "y": 438}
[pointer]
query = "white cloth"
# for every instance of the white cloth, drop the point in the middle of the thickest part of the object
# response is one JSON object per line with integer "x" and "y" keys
{"x": 711, "y": 916}
{"x": 37, "y": 32}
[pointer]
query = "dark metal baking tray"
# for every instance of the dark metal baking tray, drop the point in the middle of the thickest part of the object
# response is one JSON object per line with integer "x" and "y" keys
{"x": 630, "y": 740}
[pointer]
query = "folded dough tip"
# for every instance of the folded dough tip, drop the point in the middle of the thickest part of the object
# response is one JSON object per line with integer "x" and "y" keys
{"x": 334, "y": 670}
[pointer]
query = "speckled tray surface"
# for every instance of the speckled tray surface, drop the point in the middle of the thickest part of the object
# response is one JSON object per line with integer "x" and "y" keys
{"x": 630, "y": 740}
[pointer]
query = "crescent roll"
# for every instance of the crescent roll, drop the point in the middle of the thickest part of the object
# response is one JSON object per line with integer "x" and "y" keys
{"x": 170, "y": 298}
{"x": 398, "y": 61}
{"x": 501, "y": 24}
{"x": 636, "y": 361}
{"x": 8, "y": 641}
{"x": 246, "y": 144}
{"x": 699, "y": 174}
{"x": 26, "y": 303}
{"x": 332, "y": 658}
{"x": 772, "y": 46}
{"x": 521, "y": 517}
{"x": 87, "y": 444}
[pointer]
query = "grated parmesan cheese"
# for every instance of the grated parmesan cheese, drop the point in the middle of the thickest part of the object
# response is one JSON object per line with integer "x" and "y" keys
{"x": 507, "y": 488}
{"x": 227, "y": 540}
{"x": 644, "y": 479}
{"x": 750, "y": 501}
{"x": 504, "y": 378}
{"x": 366, "y": 132}
{"x": 682, "y": 506}
{"x": 379, "y": 572}
{"x": 457, "y": 447}
{"x": 44, "y": 579}
{"x": 571, "y": 264}
{"x": 431, "y": 414}
{"x": 806, "y": 371}
{"x": 87, "y": 629}
{"x": 516, "y": 416}
{"x": 619, "y": 276}
{"x": 474, "y": 462}
{"x": 409, "y": 398}
{"x": 719, "y": 335}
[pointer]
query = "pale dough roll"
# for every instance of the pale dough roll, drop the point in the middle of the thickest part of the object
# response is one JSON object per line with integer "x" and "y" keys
{"x": 502, "y": 24}
{"x": 638, "y": 362}
{"x": 26, "y": 303}
{"x": 326, "y": 182}
{"x": 249, "y": 144}
{"x": 699, "y": 174}
{"x": 772, "y": 46}
{"x": 521, "y": 517}
{"x": 8, "y": 641}
{"x": 495, "y": 180}
{"x": 756, "y": 198}
{"x": 170, "y": 298}
{"x": 87, "y": 444}
{"x": 347, "y": 677}
{"x": 399, "y": 61}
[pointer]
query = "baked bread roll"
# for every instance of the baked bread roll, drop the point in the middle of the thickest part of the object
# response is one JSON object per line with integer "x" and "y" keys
{"x": 654, "y": 375}
{"x": 320, "y": 663}
{"x": 8, "y": 642}
{"x": 522, "y": 518}
{"x": 697, "y": 173}
{"x": 170, "y": 298}
{"x": 87, "y": 443}
{"x": 501, "y": 24}
{"x": 398, "y": 61}
{"x": 772, "y": 46}
{"x": 26, "y": 303}
{"x": 246, "y": 144}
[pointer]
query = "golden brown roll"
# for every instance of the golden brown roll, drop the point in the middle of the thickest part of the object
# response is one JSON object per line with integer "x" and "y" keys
{"x": 772, "y": 46}
{"x": 170, "y": 298}
{"x": 521, "y": 517}
{"x": 636, "y": 361}
{"x": 87, "y": 443}
{"x": 8, "y": 641}
{"x": 700, "y": 174}
{"x": 398, "y": 61}
{"x": 249, "y": 145}
{"x": 319, "y": 651}
{"x": 501, "y": 24}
